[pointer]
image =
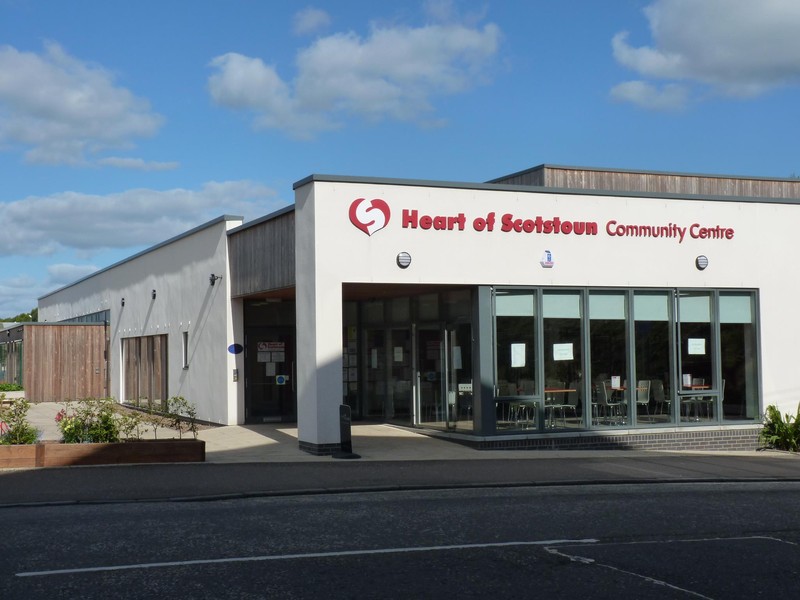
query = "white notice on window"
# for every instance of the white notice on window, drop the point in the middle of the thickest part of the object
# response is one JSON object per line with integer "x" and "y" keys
{"x": 562, "y": 351}
{"x": 373, "y": 358}
{"x": 398, "y": 354}
{"x": 270, "y": 372}
{"x": 263, "y": 356}
{"x": 697, "y": 346}
{"x": 517, "y": 355}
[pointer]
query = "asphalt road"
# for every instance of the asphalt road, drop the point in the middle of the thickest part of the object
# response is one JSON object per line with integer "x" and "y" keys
{"x": 664, "y": 540}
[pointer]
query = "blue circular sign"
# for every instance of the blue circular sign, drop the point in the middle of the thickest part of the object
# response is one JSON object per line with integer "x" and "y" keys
{"x": 235, "y": 348}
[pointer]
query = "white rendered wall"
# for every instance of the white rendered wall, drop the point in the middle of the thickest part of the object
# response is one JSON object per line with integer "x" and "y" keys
{"x": 331, "y": 250}
{"x": 185, "y": 301}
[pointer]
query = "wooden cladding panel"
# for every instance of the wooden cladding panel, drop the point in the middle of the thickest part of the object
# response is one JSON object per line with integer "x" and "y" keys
{"x": 657, "y": 183}
{"x": 64, "y": 362}
{"x": 262, "y": 256}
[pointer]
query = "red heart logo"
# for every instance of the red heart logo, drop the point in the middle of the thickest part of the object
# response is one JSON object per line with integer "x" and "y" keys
{"x": 370, "y": 216}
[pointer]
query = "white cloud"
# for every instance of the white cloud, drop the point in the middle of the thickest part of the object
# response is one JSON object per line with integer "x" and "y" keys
{"x": 18, "y": 295}
{"x": 137, "y": 163}
{"x": 44, "y": 225}
{"x": 64, "y": 273}
{"x": 394, "y": 73}
{"x": 63, "y": 110}
{"x": 669, "y": 97}
{"x": 310, "y": 20}
{"x": 736, "y": 47}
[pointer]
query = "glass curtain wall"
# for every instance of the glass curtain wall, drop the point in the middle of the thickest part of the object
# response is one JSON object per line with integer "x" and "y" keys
{"x": 563, "y": 357}
{"x": 609, "y": 358}
{"x": 675, "y": 356}
{"x": 653, "y": 353}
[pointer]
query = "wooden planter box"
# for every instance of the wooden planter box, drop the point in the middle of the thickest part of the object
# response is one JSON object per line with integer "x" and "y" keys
{"x": 141, "y": 451}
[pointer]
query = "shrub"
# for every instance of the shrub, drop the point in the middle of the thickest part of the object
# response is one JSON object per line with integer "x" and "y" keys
{"x": 132, "y": 425}
{"x": 10, "y": 387}
{"x": 89, "y": 420}
{"x": 181, "y": 415}
{"x": 14, "y": 426}
{"x": 781, "y": 432}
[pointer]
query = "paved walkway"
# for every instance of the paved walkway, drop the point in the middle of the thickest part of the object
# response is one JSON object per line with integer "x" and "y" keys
{"x": 277, "y": 442}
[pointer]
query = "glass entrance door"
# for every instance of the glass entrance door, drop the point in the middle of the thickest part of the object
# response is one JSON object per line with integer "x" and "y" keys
{"x": 444, "y": 376}
{"x": 269, "y": 379}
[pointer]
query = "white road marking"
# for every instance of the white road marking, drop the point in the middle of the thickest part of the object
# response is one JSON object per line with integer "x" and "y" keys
{"x": 243, "y": 559}
{"x": 590, "y": 561}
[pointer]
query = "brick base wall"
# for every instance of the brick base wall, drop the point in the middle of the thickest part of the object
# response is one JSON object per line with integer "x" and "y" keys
{"x": 728, "y": 439}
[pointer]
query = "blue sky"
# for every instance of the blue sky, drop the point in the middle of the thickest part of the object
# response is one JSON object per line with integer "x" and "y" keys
{"x": 125, "y": 123}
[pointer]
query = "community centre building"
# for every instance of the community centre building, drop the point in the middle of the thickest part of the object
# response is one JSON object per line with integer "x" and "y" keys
{"x": 558, "y": 307}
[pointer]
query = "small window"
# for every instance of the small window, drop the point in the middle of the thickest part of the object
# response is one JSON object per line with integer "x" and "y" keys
{"x": 185, "y": 336}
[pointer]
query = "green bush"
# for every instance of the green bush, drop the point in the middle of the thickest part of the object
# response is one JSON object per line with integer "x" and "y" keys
{"x": 781, "y": 431}
{"x": 10, "y": 387}
{"x": 89, "y": 420}
{"x": 14, "y": 426}
{"x": 181, "y": 415}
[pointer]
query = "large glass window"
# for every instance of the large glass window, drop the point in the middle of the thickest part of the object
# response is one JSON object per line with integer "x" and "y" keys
{"x": 609, "y": 358}
{"x": 738, "y": 389}
{"x": 696, "y": 351}
{"x": 653, "y": 349}
{"x": 515, "y": 357}
{"x": 375, "y": 374}
{"x": 688, "y": 357}
{"x": 563, "y": 357}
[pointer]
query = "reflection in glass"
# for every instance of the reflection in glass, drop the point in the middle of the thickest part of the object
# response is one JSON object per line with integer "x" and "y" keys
{"x": 696, "y": 357}
{"x": 375, "y": 374}
{"x": 609, "y": 359}
{"x": 515, "y": 358}
{"x": 563, "y": 380}
{"x": 653, "y": 346}
{"x": 738, "y": 389}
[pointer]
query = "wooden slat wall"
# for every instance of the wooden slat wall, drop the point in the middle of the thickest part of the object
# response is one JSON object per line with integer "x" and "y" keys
{"x": 667, "y": 183}
{"x": 64, "y": 362}
{"x": 262, "y": 256}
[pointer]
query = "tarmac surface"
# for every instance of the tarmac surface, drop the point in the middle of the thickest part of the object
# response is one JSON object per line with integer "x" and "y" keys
{"x": 262, "y": 460}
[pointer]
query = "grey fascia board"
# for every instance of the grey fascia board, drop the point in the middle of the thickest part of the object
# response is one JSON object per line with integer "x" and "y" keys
{"x": 180, "y": 236}
{"x": 642, "y": 172}
{"x": 539, "y": 189}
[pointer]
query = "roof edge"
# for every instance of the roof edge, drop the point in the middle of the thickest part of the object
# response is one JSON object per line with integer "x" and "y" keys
{"x": 507, "y": 187}
{"x": 641, "y": 172}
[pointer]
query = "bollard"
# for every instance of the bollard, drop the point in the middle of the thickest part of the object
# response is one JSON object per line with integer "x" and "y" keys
{"x": 344, "y": 434}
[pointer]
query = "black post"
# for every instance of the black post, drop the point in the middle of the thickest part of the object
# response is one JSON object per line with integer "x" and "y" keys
{"x": 344, "y": 433}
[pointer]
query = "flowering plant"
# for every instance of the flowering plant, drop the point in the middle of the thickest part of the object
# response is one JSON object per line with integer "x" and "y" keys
{"x": 90, "y": 420}
{"x": 14, "y": 426}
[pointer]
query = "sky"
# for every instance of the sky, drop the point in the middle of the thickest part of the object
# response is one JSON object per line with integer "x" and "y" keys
{"x": 123, "y": 124}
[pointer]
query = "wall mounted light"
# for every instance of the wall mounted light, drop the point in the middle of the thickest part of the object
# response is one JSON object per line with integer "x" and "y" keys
{"x": 403, "y": 260}
{"x": 701, "y": 262}
{"x": 122, "y": 302}
{"x": 153, "y": 295}
{"x": 212, "y": 279}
